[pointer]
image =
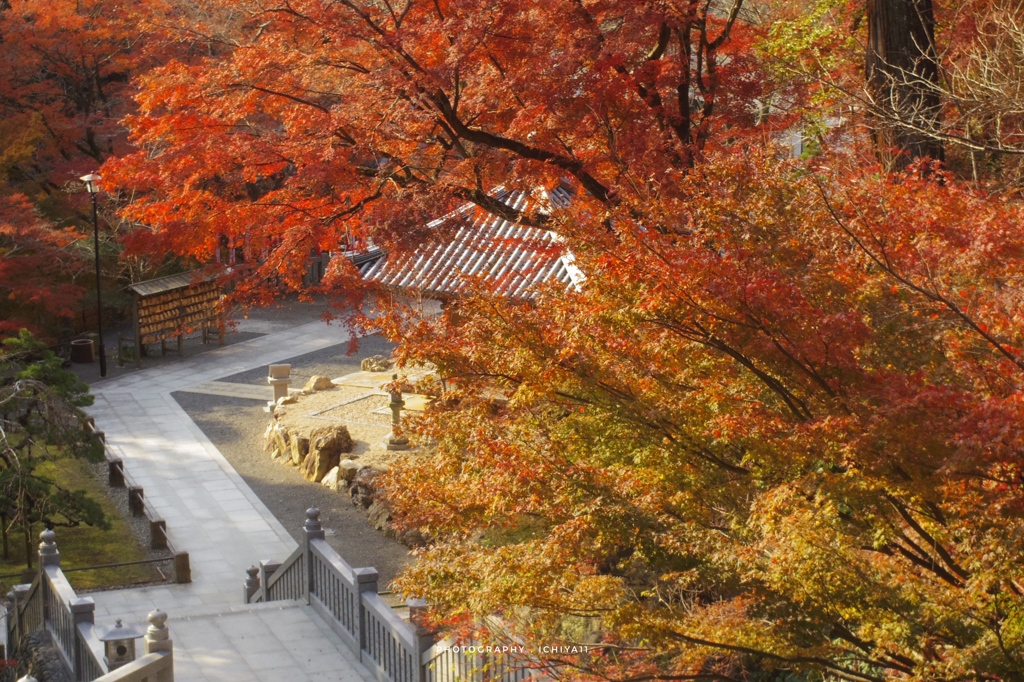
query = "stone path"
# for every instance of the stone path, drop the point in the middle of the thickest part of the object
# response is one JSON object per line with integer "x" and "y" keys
{"x": 214, "y": 516}
{"x": 228, "y": 389}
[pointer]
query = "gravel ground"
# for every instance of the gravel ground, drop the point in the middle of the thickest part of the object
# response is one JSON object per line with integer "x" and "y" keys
{"x": 236, "y": 426}
{"x": 139, "y": 526}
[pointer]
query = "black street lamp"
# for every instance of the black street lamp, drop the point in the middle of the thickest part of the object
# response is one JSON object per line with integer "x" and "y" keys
{"x": 92, "y": 185}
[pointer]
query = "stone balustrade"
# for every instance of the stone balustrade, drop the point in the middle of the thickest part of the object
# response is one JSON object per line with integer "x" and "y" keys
{"x": 50, "y": 603}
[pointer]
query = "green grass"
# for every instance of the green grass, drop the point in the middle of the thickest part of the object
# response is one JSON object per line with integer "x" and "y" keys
{"x": 84, "y": 545}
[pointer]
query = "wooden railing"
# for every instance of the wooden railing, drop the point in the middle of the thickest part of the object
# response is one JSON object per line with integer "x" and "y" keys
{"x": 138, "y": 505}
{"x": 395, "y": 650}
{"x": 49, "y": 603}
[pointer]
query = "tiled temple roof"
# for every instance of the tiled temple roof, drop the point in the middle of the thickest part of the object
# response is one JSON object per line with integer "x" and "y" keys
{"x": 510, "y": 259}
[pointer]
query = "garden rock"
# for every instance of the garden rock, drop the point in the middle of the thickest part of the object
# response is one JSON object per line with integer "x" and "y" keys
{"x": 331, "y": 479}
{"x": 379, "y": 517}
{"x": 318, "y": 383}
{"x": 364, "y": 487}
{"x": 326, "y": 445}
{"x": 299, "y": 449}
{"x": 375, "y": 363}
{"x": 348, "y": 469}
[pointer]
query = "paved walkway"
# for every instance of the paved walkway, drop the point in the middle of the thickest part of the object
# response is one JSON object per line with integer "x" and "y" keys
{"x": 214, "y": 516}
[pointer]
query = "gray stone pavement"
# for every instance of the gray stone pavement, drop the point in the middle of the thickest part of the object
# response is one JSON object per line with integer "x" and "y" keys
{"x": 214, "y": 516}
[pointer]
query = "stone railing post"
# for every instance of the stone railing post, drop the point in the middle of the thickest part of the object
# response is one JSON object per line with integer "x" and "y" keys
{"x": 19, "y": 595}
{"x": 366, "y": 581}
{"x": 158, "y": 640}
{"x": 252, "y": 583}
{"x": 158, "y": 637}
{"x": 48, "y": 554}
{"x": 83, "y": 610}
{"x": 424, "y": 636}
{"x": 267, "y": 569}
{"x": 311, "y": 530}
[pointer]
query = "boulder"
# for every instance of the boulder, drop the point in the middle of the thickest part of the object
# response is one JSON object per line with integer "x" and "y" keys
{"x": 280, "y": 436}
{"x": 364, "y": 488}
{"x": 326, "y": 445}
{"x": 375, "y": 363}
{"x": 299, "y": 449}
{"x": 379, "y": 517}
{"x": 318, "y": 383}
{"x": 347, "y": 469}
{"x": 413, "y": 539}
{"x": 331, "y": 479}
{"x": 286, "y": 400}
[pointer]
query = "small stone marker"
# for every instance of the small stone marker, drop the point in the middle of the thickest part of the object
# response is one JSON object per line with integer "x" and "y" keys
{"x": 280, "y": 376}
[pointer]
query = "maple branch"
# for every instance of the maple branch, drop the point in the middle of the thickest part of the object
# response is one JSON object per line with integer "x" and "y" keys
{"x": 559, "y": 662}
{"x": 934, "y": 296}
{"x": 730, "y": 20}
{"x": 499, "y": 208}
{"x": 927, "y": 537}
{"x": 573, "y": 166}
{"x": 299, "y": 100}
{"x": 814, "y": 660}
{"x": 704, "y": 337}
{"x": 664, "y": 35}
{"x": 902, "y": 663}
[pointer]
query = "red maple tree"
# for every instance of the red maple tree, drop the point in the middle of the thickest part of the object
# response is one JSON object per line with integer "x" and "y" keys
{"x": 776, "y": 430}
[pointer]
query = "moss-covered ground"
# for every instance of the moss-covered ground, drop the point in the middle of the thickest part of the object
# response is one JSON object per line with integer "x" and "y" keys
{"x": 82, "y": 546}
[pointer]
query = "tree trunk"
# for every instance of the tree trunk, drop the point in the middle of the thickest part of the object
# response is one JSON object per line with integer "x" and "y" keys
{"x": 902, "y": 72}
{"x": 28, "y": 545}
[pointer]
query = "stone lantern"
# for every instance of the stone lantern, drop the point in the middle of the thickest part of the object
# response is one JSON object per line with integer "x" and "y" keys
{"x": 119, "y": 645}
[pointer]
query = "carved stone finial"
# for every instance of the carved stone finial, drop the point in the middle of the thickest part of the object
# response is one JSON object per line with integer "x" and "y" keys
{"x": 48, "y": 554}
{"x": 157, "y": 630}
{"x": 158, "y": 637}
{"x": 313, "y": 519}
{"x": 252, "y": 582}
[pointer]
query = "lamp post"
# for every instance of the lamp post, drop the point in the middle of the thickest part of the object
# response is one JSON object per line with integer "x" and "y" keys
{"x": 92, "y": 185}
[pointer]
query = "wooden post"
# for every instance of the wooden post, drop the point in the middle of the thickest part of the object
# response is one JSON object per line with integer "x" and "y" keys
{"x": 182, "y": 568}
{"x": 115, "y": 473}
{"x": 136, "y": 501}
{"x": 181, "y": 345}
{"x": 138, "y": 331}
{"x": 157, "y": 534}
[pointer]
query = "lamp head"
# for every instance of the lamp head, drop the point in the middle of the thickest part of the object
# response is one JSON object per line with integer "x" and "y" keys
{"x": 92, "y": 182}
